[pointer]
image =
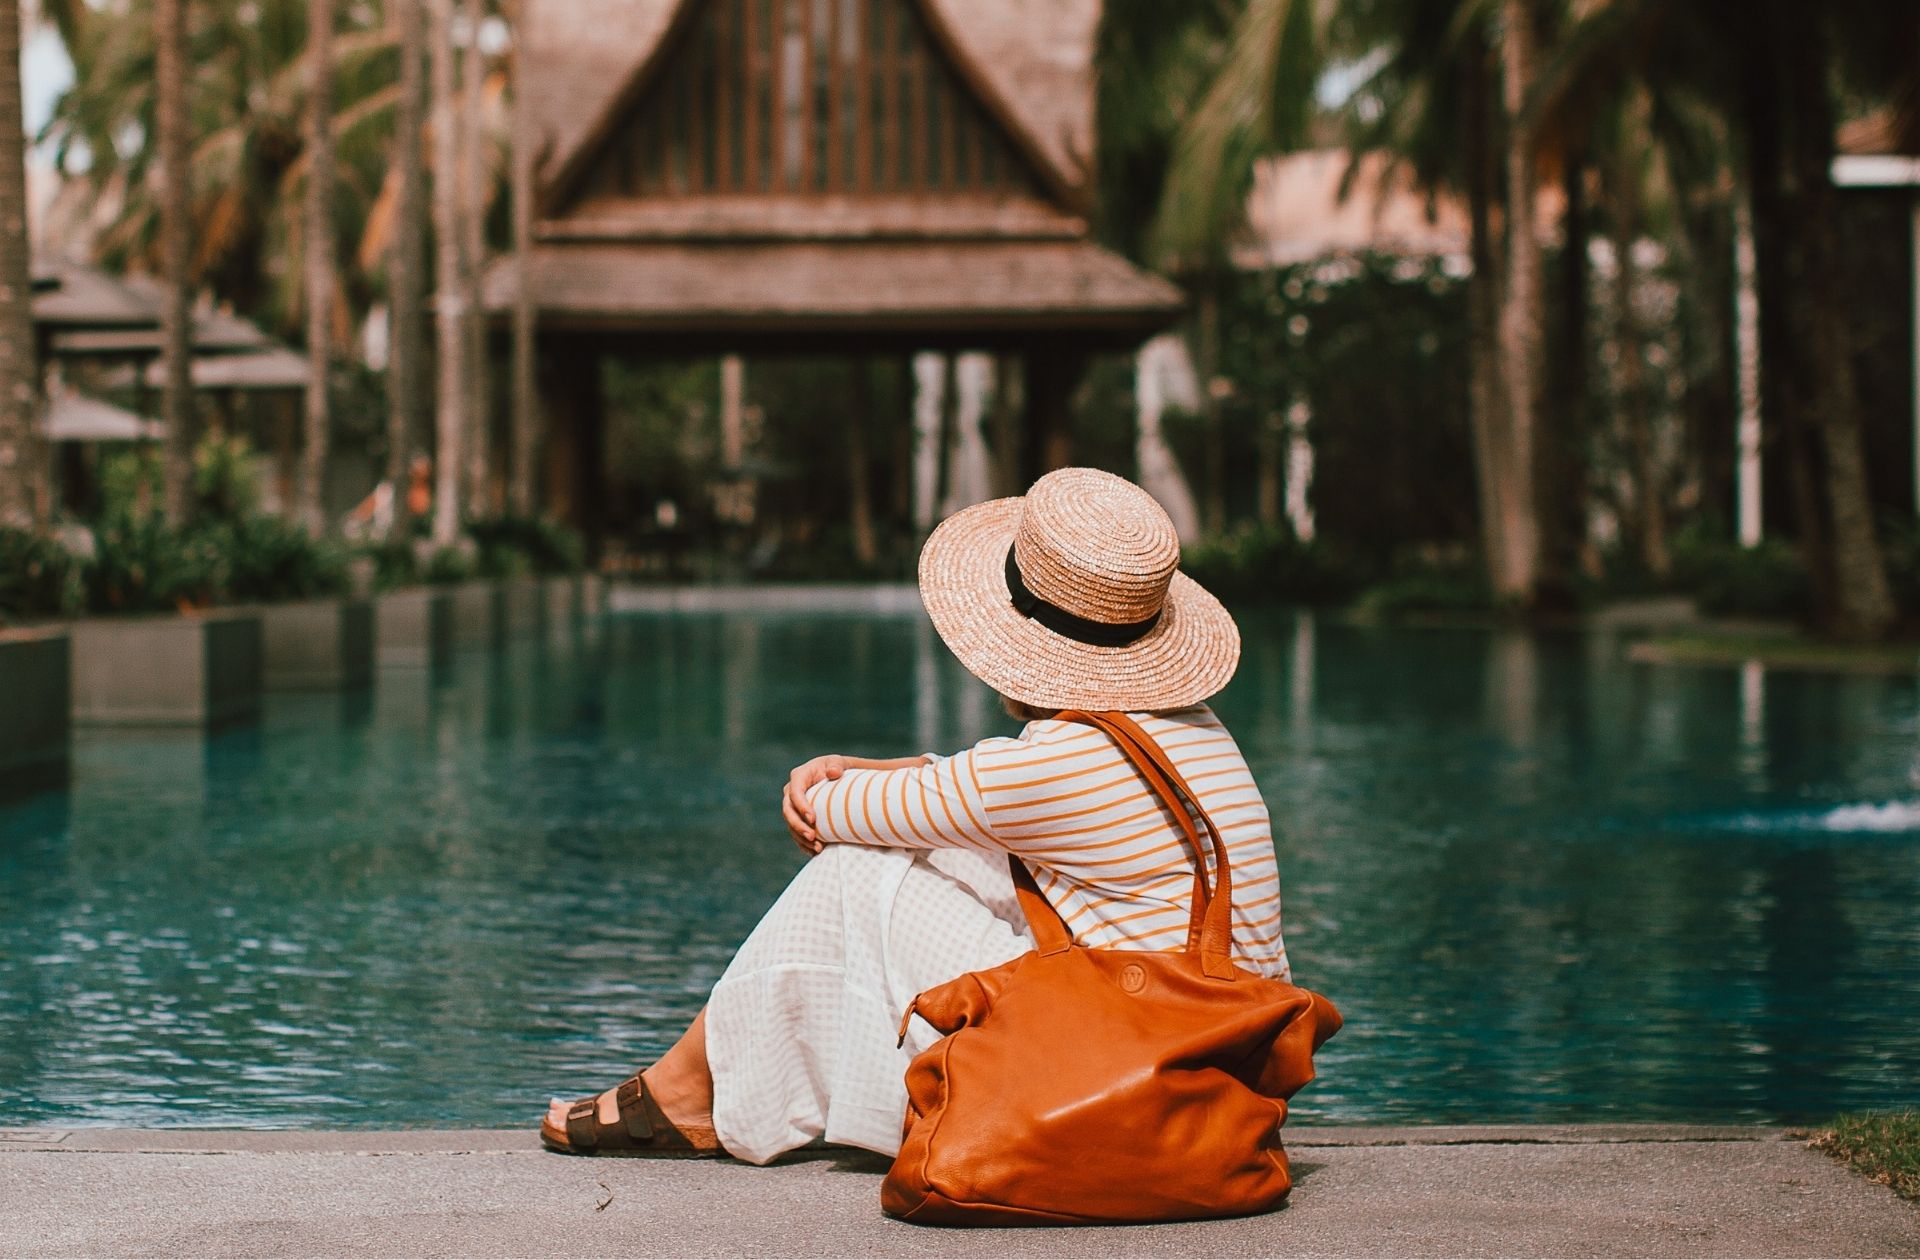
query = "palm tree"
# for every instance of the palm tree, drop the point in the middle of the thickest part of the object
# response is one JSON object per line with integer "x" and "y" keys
{"x": 1767, "y": 68}
{"x": 23, "y": 476}
{"x": 526, "y": 399}
{"x": 248, "y": 102}
{"x": 319, "y": 257}
{"x": 1258, "y": 102}
{"x": 406, "y": 254}
{"x": 450, "y": 397}
{"x": 473, "y": 249}
{"x": 176, "y": 232}
{"x": 1523, "y": 318}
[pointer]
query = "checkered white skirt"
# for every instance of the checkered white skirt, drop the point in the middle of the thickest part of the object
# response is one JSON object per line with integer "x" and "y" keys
{"x": 801, "y": 1028}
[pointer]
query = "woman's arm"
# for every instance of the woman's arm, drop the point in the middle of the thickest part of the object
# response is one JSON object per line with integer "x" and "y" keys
{"x": 798, "y": 812}
{"x": 909, "y": 803}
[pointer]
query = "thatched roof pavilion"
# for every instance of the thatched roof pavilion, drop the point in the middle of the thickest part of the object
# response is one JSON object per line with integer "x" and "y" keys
{"x": 845, "y": 177}
{"x": 912, "y": 170}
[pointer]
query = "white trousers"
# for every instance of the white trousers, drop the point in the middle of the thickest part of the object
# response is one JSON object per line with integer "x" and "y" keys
{"x": 801, "y": 1028}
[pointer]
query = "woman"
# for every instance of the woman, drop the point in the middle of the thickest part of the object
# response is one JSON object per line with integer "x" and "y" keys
{"x": 1068, "y": 598}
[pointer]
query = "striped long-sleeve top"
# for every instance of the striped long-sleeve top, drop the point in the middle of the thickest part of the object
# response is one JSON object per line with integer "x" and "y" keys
{"x": 1061, "y": 796}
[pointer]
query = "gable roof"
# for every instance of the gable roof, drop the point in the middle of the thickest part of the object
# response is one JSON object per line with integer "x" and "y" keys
{"x": 1030, "y": 61}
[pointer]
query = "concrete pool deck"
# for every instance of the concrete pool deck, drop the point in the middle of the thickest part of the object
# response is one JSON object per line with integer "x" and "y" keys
{"x": 1590, "y": 1190}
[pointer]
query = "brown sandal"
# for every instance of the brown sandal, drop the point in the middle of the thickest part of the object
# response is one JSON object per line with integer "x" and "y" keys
{"x": 643, "y": 1129}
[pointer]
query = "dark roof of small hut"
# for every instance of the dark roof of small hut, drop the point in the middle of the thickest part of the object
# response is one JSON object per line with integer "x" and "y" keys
{"x": 1031, "y": 59}
{"x": 877, "y": 286}
{"x": 269, "y": 370}
{"x": 978, "y": 266}
{"x": 69, "y": 295}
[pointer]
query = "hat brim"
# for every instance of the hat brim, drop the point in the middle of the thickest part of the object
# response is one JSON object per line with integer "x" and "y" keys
{"x": 1190, "y": 654}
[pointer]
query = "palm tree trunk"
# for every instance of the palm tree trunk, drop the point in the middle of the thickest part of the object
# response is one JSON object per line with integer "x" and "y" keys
{"x": 319, "y": 247}
{"x": 473, "y": 223}
{"x": 450, "y": 397}
{"x": 1806, "y": 357}
{"x": 1563, "y": 478}
{"x": 23, "y": 457}
{"x": 1483, "y": 304}
{"x": 526, "y": 397}
{"x": 1522, "y": 317}
{"x": 1650, "y": 526}
{"x": 176, "y": 247}
{"x": 1864, "y": 605}
{"x": 407, "y": 261}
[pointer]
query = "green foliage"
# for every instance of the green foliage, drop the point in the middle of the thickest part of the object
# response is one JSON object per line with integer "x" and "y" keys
{"x": 448, "y": 566}
{"x": 140, "y": 564}
{"x": 512, "y": 545}
{"x": 1883, "y": 1147}
{"x": 39, "y": 577}
{"x": 1264, "y": 564}
{"x": 225, "y": 487}
{"x": 1426, "y": 590}
{"x": 1375, "y": 348}
{"x": 247, "y": 109}
{"x": 1728, "y": 580}
{"x": 267, "y": 558}
{"x": 1900, "y": 545}
{"x": 396, "y": 563}
{"x": 130, "y": 483}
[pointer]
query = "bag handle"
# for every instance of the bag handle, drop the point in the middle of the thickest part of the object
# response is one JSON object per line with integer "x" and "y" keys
{"x": 1210, "y": 928}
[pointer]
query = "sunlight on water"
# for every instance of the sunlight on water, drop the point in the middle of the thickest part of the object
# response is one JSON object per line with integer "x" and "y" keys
{"x": 1542, "y": 883}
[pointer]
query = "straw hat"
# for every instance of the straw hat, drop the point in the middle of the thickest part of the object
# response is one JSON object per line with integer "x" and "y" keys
{"x": 1070, "y": 598}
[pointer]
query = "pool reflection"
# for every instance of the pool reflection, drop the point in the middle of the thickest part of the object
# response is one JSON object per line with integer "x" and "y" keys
{"x": 1542, "y": 882}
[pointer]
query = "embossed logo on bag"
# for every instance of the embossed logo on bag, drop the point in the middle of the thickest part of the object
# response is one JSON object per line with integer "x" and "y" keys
{"x": 1133, "y": 977}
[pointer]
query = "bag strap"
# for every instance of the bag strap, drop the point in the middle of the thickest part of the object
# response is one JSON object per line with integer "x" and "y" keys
{"x": 1210, "y": 928}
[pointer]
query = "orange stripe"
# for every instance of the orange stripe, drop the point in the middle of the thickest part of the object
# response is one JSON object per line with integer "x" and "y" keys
{"x": 1257, "y": 923}
{"x": 1065, "y": 796}
{"x": 946, "y": 802}
{"x": 1077, "y": 813}
{"x": 1100, "y": 826}
{"x": 886, "y": 814}
{"x": 1072, "y": 858}
{"x": 1056, "y": 778}
{"x": 866, "y": 809}
{"x": 1092, "y": 745}
{"x": 980, "y": 828}
{"x": 906, "y": 810}
{"x": 1214, "y": 774}
{"x": 1133, "y": 893}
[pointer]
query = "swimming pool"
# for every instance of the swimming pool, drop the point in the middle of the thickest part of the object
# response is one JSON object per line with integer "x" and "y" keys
{"x": 1542, "y": 883}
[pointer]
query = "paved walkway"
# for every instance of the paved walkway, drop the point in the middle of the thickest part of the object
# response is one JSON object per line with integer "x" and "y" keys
{"x": 1519, "y": 1191}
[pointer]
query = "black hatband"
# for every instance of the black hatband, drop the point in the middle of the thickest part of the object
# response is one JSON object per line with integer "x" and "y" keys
{"x": 1060, "y": 621}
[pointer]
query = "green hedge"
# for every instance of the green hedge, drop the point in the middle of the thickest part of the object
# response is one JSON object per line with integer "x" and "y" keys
{"x": 38, "y": 576}
{"x": 1258, "y": 564}
{"x": 513, "y": 545}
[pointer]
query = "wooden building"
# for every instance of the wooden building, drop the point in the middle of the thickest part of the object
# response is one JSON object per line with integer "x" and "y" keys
{"x": 831, "y": 177}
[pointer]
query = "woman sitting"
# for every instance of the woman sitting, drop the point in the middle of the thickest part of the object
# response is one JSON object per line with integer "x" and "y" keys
{"x": 1068, "y": 598}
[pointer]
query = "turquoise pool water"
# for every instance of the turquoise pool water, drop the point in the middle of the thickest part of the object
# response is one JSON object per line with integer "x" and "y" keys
{"x": 1541, "y": 882}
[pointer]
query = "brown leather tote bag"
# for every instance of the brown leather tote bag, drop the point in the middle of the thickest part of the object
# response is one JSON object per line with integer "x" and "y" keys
{"x": 1079, "y": 1086}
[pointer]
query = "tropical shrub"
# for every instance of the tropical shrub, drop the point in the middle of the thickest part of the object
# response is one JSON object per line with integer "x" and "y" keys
{"x": 142, "y": 565}
{"x": 39, "y": 577}
{"x": 396, "y": 563}
{"x": 510, "y": 545}
{"x": 1728, "y": 580}
{"x": 450, "y": 565}
{"x": 226, "y": 486}
{"x": 1267, "y": 564}
{"x": 270, "y": 558}
{"x": 1427, "y": 588}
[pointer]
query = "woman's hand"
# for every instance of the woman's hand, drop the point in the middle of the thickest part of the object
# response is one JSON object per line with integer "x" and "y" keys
{"x": 793, "y": 802}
